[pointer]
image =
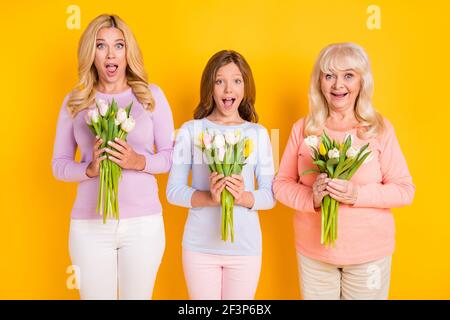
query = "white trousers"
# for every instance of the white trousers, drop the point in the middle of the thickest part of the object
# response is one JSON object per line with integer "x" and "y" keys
{"x": 119, "y": 259}
{"x": 324, "y": 281}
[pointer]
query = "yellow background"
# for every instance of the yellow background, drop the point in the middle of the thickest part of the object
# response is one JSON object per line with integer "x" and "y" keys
{"x": 281, "y": 40}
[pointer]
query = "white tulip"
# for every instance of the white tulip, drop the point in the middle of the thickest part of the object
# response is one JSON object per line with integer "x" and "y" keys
{"x": 231, "y": 138}
{"x": 333, "y": 153}
{"x": 121, "y": 115}
{"x": 219, "y": 141}
{"x": 128, "y": 124}
{"x": 102, "y": 107}
{"x": 352, "y": 152}
{"x": 116, "y": 122}
{"x": 369, "y": 157}
{"x": 312, "y": 141}
{"x": 93, "y": 115}
{"x": 221, "y": 153}
{"x": 206, "y": 160}
{"x": 207, "y": 140}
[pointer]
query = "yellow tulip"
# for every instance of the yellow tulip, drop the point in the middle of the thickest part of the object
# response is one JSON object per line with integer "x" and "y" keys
{"x": 248, "y": 148}
{"x": 322, "y": 149}
{"x": 200, "y": 139}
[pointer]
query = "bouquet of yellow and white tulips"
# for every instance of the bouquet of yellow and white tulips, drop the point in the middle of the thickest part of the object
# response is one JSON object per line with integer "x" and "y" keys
{"x": 108, "y": 121}
{"x": 226, "y": 154}
{"x": 338, "y": 161}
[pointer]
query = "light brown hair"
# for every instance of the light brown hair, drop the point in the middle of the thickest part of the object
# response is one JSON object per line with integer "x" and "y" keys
{"x": 206, "y": 105}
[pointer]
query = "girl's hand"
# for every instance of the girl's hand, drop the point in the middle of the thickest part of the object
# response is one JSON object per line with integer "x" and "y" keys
{"x": 125, "y": 156}
{"x": 235, "y": 185}
{"x": 343, "y": 191}
{"x": 320, "y": 189}
{"x": 93, "y": 169}
{"x": 216, "y": 186}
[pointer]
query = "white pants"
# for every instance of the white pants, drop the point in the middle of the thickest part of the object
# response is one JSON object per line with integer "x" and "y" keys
{"x": 324, "y": 281}
{"x": 119, "y": 259}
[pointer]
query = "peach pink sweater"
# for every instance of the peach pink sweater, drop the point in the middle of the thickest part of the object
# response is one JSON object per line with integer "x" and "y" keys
{"x": 366, "y": 230}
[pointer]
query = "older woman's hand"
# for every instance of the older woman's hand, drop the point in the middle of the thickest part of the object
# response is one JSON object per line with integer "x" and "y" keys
{"x": 343, "y": 191}
{"x": 320, "y": 188}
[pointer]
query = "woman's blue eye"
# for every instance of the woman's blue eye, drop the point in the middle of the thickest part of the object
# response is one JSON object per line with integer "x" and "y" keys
{"x": 328, "y": 76}
{"x": 348, "y": 76}
{"x": 100, "y": 46}
{"x": 119, "y": 46}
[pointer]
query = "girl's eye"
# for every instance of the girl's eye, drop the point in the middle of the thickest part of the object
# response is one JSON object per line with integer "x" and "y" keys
{"x": 100, "y": 45}
{"x": 119, "y": 45}
{"x": 219, "y": 81}
{"x": 238, "y": 81}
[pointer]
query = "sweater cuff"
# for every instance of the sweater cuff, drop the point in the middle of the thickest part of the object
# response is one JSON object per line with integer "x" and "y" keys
{"x": 255, "y": 206}
{"x": 261, "y": 201}
{"x": 362, "y": 198}
{"x": 185, "y": 201}
{"x": 155, "y": 164}
{"x": 310, "y": 205}
{"x": 79, "y": 171}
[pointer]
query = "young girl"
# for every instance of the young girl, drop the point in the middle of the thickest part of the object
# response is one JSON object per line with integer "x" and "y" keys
{"x": 119, "y": 259}
{"x": 213, "y": 268}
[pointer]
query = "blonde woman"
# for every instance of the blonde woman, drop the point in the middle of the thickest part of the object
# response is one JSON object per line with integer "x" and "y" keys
{"x": 358, "y": 266}
{"x": 119, "y": 259}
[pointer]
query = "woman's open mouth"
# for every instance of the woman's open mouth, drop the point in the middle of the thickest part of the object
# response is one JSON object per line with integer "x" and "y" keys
{"x": 111, "y": 69}
{"x": 339, "y": 95}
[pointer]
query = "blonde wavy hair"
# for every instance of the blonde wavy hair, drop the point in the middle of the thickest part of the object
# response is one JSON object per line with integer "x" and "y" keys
{"x": 83, "y": 95}
{"x": 340, "y": 57}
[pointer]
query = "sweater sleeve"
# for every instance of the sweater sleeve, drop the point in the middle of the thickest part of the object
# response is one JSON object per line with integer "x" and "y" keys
{"x": 287, "y": 187}
{"x": 396, "y": 188}
{"x": 64, "y": 166}
{"x": 161, "y": 160}
{"x": 178, "y": 192}
{"x": 264, "y": 170}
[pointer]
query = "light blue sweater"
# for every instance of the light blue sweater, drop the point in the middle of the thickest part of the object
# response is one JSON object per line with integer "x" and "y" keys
{"x": 202, "y": 232}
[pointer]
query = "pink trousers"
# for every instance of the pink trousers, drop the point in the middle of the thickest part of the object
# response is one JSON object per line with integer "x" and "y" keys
{"x": 221, "y": 277}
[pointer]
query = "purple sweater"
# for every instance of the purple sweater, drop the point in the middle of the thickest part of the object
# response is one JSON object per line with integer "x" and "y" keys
{"x": 151, "y": 137}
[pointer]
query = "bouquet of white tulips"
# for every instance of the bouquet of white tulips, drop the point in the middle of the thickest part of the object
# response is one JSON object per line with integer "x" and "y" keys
{"x": 226, "y": 154}
{"x": 338, "y": 161}
{"x": 108, "y": 121}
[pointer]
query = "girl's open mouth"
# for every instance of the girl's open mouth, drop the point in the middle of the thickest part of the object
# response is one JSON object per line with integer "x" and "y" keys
{"x": 228, "y": 102}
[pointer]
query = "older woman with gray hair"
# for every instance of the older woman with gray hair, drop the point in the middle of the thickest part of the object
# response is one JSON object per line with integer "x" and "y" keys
{"x": 358, "y": 265}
